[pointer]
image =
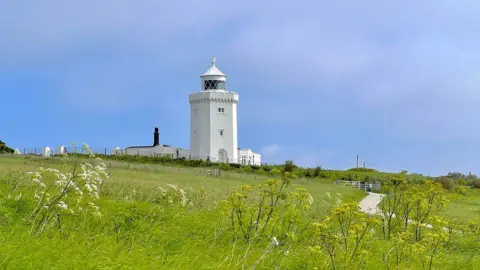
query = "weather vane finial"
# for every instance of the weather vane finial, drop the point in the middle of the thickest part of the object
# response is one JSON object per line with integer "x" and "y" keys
{"x": 213, "y": 61}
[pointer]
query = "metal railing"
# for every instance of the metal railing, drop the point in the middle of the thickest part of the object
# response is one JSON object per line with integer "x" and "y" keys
{"x": 367, "y": 186}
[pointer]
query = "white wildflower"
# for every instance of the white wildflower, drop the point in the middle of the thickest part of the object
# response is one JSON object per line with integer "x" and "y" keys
{"x": 172, "y": 187}
{"x": 162, "y": 191}
{"x": 62, "y": 205}
{"x": 275, "y": 241}
{"x": 310, "y": 199}
{"x": 60, "y": 183}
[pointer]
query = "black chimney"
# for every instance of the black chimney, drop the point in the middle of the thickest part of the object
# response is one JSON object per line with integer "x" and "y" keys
{"x": 156, "y": 137}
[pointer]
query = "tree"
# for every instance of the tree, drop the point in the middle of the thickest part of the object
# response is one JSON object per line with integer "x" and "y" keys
{"x": 289, "y": 166}
{"x": 317, "y": 171}
{"x": 446, "y": 182}
{"x": 308, "y": 173}
{"x": 476, "y": 184}
{"x": 4, "y": 148}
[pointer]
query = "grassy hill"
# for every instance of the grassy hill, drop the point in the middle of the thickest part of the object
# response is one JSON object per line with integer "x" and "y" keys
{"x": 154, "y": 215}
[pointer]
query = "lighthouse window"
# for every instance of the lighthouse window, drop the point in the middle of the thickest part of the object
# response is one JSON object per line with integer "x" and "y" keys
{"x": 214, "y": 84}
{"x": 221, "y": 110}
{"x": 221, "y": 132}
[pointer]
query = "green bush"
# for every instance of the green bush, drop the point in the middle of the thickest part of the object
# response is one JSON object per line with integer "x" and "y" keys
{"x": 5, "y": 149}
{"x": 461, "y": 190}
{"x": 446, "y": 182}
{"x": 476, "y": 183}
{"x": 289, "y": 166}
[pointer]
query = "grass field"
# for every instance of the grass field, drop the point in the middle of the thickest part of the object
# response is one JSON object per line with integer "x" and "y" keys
{"x": 129, "y": 176}
{"x": 463, "y": 207}
{"x": 149, "y": 237}
{"x": 139, "y": 229}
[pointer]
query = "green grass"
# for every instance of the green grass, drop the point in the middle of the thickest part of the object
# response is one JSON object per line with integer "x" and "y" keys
{"x": 463, "y": 207}
{"x": 149, "y": 238}
{"x": 128, "y": 176}
{"x": 141, "y": 234}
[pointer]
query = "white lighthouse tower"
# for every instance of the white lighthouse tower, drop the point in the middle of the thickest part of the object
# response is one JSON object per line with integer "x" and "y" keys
{"x": 213, "y": 124}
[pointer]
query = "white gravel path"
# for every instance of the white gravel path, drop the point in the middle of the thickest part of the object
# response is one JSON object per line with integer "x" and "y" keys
{"x": 370, "y": 203}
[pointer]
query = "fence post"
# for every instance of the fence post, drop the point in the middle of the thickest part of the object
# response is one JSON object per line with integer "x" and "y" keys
{"x": 105, "y": 151}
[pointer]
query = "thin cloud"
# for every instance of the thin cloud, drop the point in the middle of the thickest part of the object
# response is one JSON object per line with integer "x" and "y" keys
{"x": 269, "y": 151}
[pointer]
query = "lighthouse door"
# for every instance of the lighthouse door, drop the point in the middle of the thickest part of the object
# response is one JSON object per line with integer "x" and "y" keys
{"x": 222, "y": 155}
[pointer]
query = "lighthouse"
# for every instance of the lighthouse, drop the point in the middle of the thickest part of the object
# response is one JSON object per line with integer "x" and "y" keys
{"x": 213, "y": 119}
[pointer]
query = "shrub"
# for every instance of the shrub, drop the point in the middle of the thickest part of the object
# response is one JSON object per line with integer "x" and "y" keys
{"x": 224, "y": 166}
{"x": 289, "y": 166}
{"x": 317, "y": 172}
{"x": 58, "y": 194}
{"x": 4, "y": 148}
{"x": 461, "y": 190}
{"x": 476, "y": 183}
{"x": 446, "y": 182}
{"x": 308, "y": 173}
{"x": 269, "y": 210}
{"x": 235, "y": 165}
{"x": 267, "y": 168}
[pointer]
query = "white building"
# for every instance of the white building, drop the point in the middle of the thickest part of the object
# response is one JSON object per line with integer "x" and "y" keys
{"x": 248, "y": 157}
{"x": 213, "y": 126}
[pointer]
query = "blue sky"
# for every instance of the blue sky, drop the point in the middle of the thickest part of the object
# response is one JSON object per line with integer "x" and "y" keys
{"x": 319, "y": 81}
